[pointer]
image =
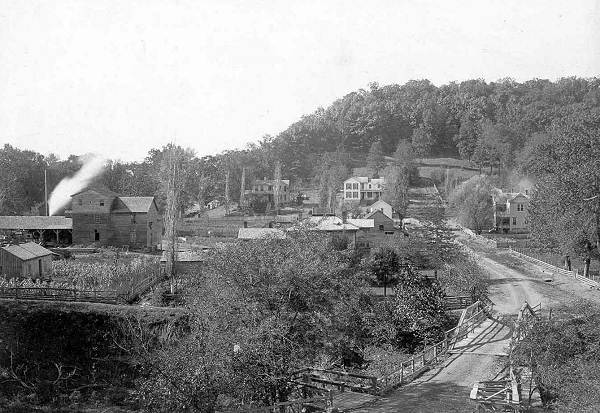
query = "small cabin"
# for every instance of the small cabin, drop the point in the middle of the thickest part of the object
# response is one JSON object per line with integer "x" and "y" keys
{"x": 25, "y": 260}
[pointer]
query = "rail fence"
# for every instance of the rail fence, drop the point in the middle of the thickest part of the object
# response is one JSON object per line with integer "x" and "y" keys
{"x": 74, "y": 294}
{"x": 521, "y": 253}
{"x": 506, "y": 394}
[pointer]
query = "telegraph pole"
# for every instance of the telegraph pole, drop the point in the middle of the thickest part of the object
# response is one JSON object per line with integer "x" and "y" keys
{"x": 46, "y": 192}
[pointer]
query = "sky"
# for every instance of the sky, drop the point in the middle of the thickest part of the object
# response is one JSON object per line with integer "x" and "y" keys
{"x": 119, "y": 78}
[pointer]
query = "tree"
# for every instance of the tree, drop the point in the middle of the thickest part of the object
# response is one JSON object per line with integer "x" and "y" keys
{"x": 422, "y": 141}
{"x": 375, "y": 159}
{"x": 173, "y": 184}
{"x": 258, "y": 311}
{"x": 472, "y": 203}
{"x": 467, "y": 138}
{"x": 565, "y": 207}
{"x": 331, "y": 173}
{"x": 385, "y": 265}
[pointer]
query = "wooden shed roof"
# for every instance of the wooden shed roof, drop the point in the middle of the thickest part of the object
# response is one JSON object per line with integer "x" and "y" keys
{"x": 35, "y": 222}
{"x": 27, "y": 251}
{"x": 137, "y": 204}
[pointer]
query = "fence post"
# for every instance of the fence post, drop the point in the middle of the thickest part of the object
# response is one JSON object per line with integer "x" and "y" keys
{"x": 435, "y": 356}
{"x": 413, "y": 365}
{"x": 401, "y": 372}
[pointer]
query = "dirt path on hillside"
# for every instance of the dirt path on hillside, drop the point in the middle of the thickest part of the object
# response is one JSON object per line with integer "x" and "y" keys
{"x": 446, "y": 388}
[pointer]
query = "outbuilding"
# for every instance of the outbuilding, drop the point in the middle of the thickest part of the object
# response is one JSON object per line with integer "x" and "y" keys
{"x": 25, "y": 260}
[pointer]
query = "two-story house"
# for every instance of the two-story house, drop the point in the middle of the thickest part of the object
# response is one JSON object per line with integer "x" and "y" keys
{"x": 102, "y": 216}
{"x": 263, "y": 192}
{"x": 511, "y": 212}
{"x": 362, "y": 188}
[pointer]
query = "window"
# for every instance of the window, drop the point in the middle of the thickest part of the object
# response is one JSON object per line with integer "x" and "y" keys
{"x": 96, "y": 235}
{"x": 369, "y": 186}
{"x": 348, "y": 195}
{"x": 150, "y": 224}
{"x": 354, "y": 186}
{"x": 526, "y": 222}
{"x": 369, "y": 194}
{"x": 381, "y": 227}
{"x": 355, "y": 195}
{"x": 514, "y": 221}
{"x": 520, "y": 207}
{"x": 102, "y": 202}
{"x": 348, "y": 186}
{"x": 97, "y": 219}
{"x": 133, "y": 221}
{"x": 80, "y": 201}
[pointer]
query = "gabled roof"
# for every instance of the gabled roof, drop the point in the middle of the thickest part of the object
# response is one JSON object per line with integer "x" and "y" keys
{"x": 361, "y": 222}
{"x": 366, "y": 179}
{"x": 101, "y": 189}
{"x": 271, "y": 181}
{"x": 137, "y": 204}
{"x": 512, "y": 196}
{"x": 260, "y": 233}
{"x": 35, "y": 222}
{"x": 27, "y": 251}
{"x": 372, "y": 214}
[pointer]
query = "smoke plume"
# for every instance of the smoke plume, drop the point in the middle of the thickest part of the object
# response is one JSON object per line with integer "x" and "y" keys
{"x": 92, "y": 167}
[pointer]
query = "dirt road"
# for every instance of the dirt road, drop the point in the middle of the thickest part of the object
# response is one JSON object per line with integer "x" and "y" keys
{"x": 479, "y": 357}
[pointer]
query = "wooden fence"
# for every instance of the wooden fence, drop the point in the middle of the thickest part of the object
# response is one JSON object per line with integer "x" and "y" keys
{"x": 471, "y": 317}
{"x": 340, "y": 380}
{"x": 73, "y": 294}
{"x": 592, "y": 282}
{"x": 60, "y": 294}
{"x": 314, "y": 404}
{"x": 505, "y": 394}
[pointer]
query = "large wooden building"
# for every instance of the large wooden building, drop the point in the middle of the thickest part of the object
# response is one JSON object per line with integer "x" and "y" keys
{"x": 103, "y": 217}
{"x": 25, "y": 260}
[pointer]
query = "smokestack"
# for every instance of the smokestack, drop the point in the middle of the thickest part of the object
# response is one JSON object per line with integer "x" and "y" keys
{"x": 46, "y": 192}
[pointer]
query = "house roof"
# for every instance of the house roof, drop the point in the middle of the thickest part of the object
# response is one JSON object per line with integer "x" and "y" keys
{"x": 260, "y": 233}
{"x": 366, "y": 179}
{"x": 271, "y": 181}
{"x": 361, "y": 222}
{"x": 27, "y": 251}
{"x": 35, "y": 222}
{"x": 138, "y": 204}
{"x": 372, "y": 214}
{"x": 331, "y": 223}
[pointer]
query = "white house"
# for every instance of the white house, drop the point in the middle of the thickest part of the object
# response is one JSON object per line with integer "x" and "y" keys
{"x": 358, "y": 188}
{"x": 511, "y": 212}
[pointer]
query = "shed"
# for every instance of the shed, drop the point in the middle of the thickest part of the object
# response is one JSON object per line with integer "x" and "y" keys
{"x": 185, "y": 261}
{"x": 25, "y": 260}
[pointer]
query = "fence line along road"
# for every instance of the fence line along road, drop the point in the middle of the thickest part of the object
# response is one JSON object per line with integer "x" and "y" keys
{"x": 554, "y": 269}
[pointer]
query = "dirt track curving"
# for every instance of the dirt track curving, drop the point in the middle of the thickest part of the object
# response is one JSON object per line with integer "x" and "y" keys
{"x": 479, "y": 357}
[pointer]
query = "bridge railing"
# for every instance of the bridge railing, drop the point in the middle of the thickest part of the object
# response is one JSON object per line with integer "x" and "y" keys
{"x": 340, "y": 380}
{"x": 471, "y": 317}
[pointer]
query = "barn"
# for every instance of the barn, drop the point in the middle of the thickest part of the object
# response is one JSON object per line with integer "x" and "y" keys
{"x": 102, "y": 216}
{"x": 25, "y": 260}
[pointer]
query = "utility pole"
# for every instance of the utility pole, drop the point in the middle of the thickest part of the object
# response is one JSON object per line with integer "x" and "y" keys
{"x": 46, "y": 192}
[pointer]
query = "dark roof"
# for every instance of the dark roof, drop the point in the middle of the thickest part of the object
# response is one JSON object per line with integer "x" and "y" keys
{"x": 372, "y": 214}
{"x": 138, "y": 204}
{"x": 97, "y": 188}
{"x": 27, "y": 251}
{"x": 35, "y": 222}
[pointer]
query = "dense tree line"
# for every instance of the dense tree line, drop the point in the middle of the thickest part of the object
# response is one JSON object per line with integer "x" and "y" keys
{"x": 491, "y": 124}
